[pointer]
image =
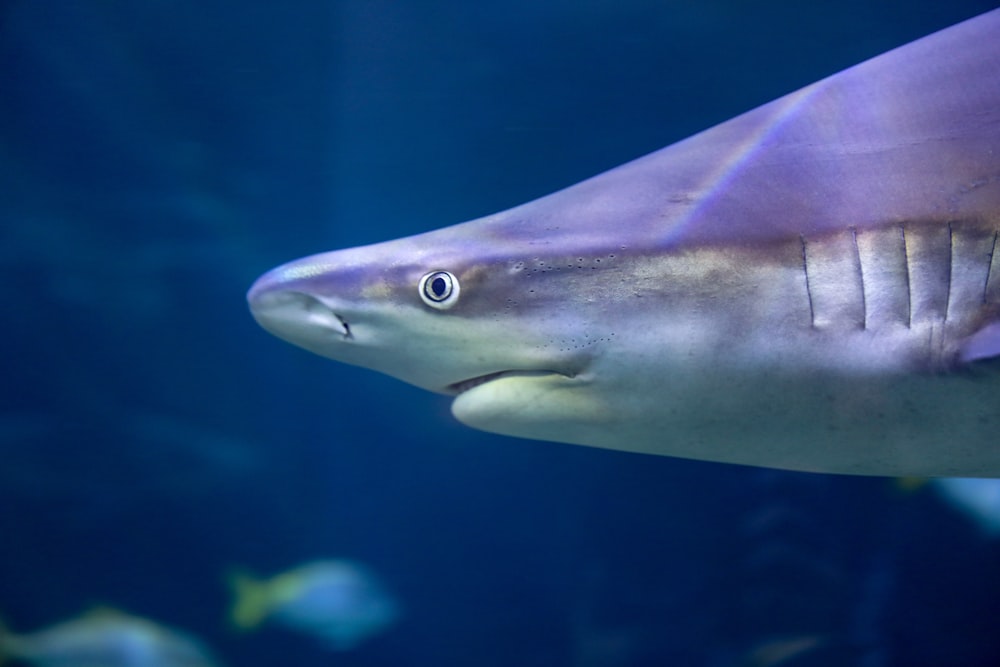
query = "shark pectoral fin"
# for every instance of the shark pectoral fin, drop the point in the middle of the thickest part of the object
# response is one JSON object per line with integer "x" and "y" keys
{"x": 542, "y": 406}
{"x": 984, "y": 344}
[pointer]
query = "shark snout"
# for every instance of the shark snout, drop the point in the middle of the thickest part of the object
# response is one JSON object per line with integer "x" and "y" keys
{"x": 297, "y": 317}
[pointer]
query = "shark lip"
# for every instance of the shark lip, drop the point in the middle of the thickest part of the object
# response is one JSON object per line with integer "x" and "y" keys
{"x": 465, "y": 385}
{"x": 457, "y": 388}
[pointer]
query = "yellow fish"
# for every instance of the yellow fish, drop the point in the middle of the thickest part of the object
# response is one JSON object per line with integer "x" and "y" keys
{"x": 340, "y": 602}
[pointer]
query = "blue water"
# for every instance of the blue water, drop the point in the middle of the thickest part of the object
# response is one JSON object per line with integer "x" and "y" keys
{"x": 156, "y": 156}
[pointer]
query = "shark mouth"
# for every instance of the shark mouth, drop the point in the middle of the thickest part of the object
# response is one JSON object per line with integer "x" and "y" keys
{"x": 465, "y": 385}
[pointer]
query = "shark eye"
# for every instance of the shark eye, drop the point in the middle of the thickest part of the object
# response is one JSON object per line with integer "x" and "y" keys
{"x": 439, "y": 289}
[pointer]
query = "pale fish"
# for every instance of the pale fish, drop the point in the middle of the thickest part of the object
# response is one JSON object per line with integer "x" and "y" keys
{"x": 978, "y": 499}
{"x": 340, "y": 602}
{"x": 106, "y": 638}
{"x": 813, "y": 285}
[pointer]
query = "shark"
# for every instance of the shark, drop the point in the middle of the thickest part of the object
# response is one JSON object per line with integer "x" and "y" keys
{"x": 813, "y": 285}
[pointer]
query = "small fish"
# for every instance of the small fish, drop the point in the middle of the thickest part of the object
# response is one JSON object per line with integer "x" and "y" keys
{"x": 978, "y": 499}
{"x": 340, "y": 602}
{"x": 106, "y": 638}
{"x": 783, "y": 651}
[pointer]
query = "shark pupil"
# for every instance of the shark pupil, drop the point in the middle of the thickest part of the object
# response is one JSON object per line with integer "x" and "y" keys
{"x": 440, "y": 288}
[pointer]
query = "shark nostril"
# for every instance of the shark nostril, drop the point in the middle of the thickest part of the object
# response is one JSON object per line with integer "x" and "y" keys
{"x": 320, "y": 314}
{"x": 347, "y": 327}
{"x": 293, "y": 315}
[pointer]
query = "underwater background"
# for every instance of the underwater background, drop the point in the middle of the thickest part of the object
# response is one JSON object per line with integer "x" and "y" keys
{"x": 155, "y": 157}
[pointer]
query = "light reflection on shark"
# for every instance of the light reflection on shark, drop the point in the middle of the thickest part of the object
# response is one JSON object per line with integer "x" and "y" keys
{"x": 813, "y": 285}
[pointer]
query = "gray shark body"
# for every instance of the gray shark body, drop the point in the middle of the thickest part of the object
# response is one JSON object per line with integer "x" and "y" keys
{"x": 813, "y": 285}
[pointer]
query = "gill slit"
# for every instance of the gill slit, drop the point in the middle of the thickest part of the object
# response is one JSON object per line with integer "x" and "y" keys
{"x": 989, "y": 267}
{"x": 861, "y": 277}
{"x": 951, "y": 268}
{"x": 805, "y": 271}
{"x": 909, "y": 288}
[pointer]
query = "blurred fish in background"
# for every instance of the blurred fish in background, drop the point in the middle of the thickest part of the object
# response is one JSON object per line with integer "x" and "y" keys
{"x": 106, "y": 638}
{"x": 783, "y": 652}
{"x": 978, "y": 499}
{"x": 340, "y": 602}
{"x": 801, "y": 584}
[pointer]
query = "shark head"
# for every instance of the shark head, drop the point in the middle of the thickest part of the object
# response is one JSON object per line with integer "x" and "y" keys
{"x": 474, "y": 312}
{"x": 413, "y": 311}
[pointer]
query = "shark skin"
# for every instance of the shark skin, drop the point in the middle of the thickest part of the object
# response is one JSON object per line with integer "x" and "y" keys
{"x": 813, "y": 285}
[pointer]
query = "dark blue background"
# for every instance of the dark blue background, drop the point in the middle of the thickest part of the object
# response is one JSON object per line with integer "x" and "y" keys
{"x": 156, "y": 156}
